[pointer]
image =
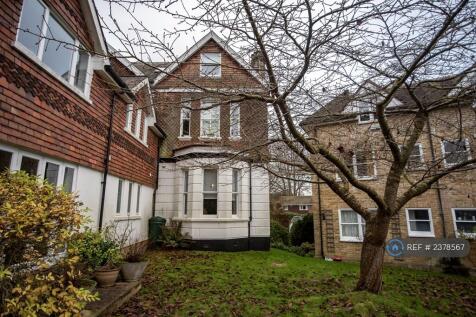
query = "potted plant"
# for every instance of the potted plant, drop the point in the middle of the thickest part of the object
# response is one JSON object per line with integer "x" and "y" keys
{"x": 134, "y": 263}
{"x": 101, "y": 254}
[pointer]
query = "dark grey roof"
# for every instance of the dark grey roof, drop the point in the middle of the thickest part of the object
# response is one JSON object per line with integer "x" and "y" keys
{"x": 151, "y": 69}
{"x": 133, "y": 81}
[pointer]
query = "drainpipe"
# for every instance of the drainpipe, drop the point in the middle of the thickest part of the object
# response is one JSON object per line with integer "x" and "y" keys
{"x": 251, "y": 210}
{"x": 438, "y": 190}
{"x": 106, "y": 159}
{"x": 320, "y": 217}
{"x": 110, "y": 71}
{"x": 159, "y": 143}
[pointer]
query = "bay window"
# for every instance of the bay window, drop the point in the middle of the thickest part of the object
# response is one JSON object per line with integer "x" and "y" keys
{"x": 352, "y": 226}
{"x": 186, "y": 174}
{"x": 210, "y": 191}
{"x": 42, "y": 36}
{"x": 210, "y": 120}
{"x": 419, "y": 222}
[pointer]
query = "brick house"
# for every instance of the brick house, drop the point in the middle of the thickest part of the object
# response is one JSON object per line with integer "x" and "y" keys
{"x": 221, "y": 198}
{"x": 298, "y": 204}
{"x": 72, "y": 113}
{"x": 347, "y": 125}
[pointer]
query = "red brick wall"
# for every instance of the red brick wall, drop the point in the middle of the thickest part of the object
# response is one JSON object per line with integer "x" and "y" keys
{"x": 41, "y": 114}
{"x": 253, "y": 114}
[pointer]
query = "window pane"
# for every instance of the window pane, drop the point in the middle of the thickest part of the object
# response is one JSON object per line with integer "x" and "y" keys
{"x": 138, "y": 199}
{"x": 185, "y": 116}
{"x": 209, "y": 204}
{"x": 81, "y": 70}
{"x": 129, "y": 198}
{"x": 138, "y": 123}
{"x": 30, "y": 25}
{"x": 420, "y": 226}
{"x": 465, "y": 215}
{"x": 210, "y": 64}
{"x": 235, "y": 120}
{"x": 51, "y": 173}
{"x": 418, "y": 214}
{"x": 185, "y": 181}
{"x": 236, "y": 179}
{"x": 350, "y": 230}
{"x": 210, "y": 180}
{"x": 119, "y": 197}
{"x": 455, "y": 151}
{"x": 5, "y": 160}
{"x": 349, "y": 216}
{"x": 68, "y": 179}
{"x": 466, "y": 227}
{"x": 211, "y": 58}
{"x": 234, "y": 204}
{"x": 29, "y": 165}
{"x": 129, "y": 117}
{"x": 58, "y": 54}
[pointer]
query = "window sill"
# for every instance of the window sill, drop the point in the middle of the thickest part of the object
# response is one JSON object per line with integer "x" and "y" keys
{"x": 22, "y": 49}
{"x": 184, "y": 138}
{"x": 351, "y": 240}
{"x": 205, "y": 138}
{"x": 421, "y": 235}
{"x": 210, "y": 76}
{"x": 135, "y": 137}
{"x": 235, "y": 138}
{"x": 186, "y": 219}
{"x": 126, "y": 218}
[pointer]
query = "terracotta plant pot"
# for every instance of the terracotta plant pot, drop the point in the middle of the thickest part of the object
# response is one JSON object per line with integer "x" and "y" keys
{"x": 106, "y": 278}
{"x": 133, "y": 271}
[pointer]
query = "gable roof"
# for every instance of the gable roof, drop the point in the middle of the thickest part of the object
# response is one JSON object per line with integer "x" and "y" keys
{"x": 94, "y": 26}
{"x": 151, "y": 69}
{"x": 209, "y": 36}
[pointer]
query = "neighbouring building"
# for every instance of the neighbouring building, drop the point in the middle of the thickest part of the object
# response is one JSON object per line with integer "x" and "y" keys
{"x": 297, "y": 204}
{"x": 347, "y": 124}
{"x": 221, "y": 197}
{"x": 72, "y": 115}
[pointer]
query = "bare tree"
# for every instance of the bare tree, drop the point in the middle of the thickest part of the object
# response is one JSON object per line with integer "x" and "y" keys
{"x": 312, "y": 52}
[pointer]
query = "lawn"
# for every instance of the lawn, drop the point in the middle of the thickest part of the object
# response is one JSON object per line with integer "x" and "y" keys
{"x": 184, "y": 283}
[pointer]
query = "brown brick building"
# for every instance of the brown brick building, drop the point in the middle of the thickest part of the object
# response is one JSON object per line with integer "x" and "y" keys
{"x": 73, "y": 114}
{"x": 347, "y": 125}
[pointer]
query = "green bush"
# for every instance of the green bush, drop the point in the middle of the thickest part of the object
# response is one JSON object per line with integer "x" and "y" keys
{"x": 172, "y": 236}
{"x": 97, "y": 249}
{"x": 37, "y": 221}
{"x": 302, "y": 231}
{"x": 279, "y": 234}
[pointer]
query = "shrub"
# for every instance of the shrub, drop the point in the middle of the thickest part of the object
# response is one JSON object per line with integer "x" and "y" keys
{"x": 279, "y": 234}
{"x": 302, "y": 231}
{"x": 97, "y": 249}
{"x": 172, "y": 236}
{"x": 37, "y": 274}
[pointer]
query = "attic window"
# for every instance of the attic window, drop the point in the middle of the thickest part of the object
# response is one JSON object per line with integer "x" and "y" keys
{"x": 210, "y": 65}
{"x": 365, "y": 114}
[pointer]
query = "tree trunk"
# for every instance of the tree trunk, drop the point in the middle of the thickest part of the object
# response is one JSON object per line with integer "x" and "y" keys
{"x": 373, "y": 250}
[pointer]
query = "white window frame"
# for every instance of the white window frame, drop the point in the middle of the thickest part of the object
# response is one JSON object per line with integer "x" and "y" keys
{"x": 453, "y": 212}
{"x": 119, "y": 199}
{"x": 208, "y": 112}
{"x": 139, "y": 192}
{"x": 202, "y": 74}
{"x": 145, "y": 129}
{"x": 182, "y": 119}
{"x": 38, "y": 57}
{"x": 303, "y": 208}
{"x": 130, "y": 197}
{"x": 138, "y": 124}
{"x": 354, "y": 167}
{"x": 185, "y": 192}
{"x": 286, "y": 207}
{"x": 420, "y": 234}
{"x": 422, "y": 159}
{"x": 237, "y": 192}
{"x": 360, "y": 222}
{"x": 129, "y": 113}
{"x": 370, "y": 114}
{"x": 210, "y": 192}
{"x": 444, "y": 154}
{"x": 235, "y": 109}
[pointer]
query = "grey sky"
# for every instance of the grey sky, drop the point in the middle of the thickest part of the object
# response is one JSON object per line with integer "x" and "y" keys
{"x": 153, "y": 20}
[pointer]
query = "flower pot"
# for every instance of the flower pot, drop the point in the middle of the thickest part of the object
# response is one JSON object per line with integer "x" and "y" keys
{"x": 133, "y": 271}
{"x": 106, "y": 278}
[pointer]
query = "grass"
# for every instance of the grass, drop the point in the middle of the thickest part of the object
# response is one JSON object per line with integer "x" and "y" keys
{"x": 185, "y": 283}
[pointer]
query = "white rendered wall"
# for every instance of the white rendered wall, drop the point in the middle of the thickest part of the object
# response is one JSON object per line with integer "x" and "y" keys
{"x": 224, "y": 225}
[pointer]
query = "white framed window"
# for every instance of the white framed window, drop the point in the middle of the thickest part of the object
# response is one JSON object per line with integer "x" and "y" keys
{"x": 419, "y": 222}
{"x": 185, "y": 118}
{"x": 6, "y": 159}
{"x": 30, "y": 164}
{"x": 464, "y": 220}
{"x": 415, "y": 160}
{"x": 120, "y": 185}
{"x": 210, "y": 65}
{"x": 235, "y": 191}
{"x": 129, "y": 198}
{"x": 455, "y": 151}
{"x": 52, "y": 173}
{"x": 364, "y": 166}
{"x": 68, "y": 179}
{"x": 286, "y": 207}
{"x": 352, "y": 226}
{"x": 145, "y": 130}
{"x": 139, "y": 187}
{"x": 366, "y": 114}
{"x": 138, "y": 123}
{"x": 129, "y": 112}
{"x": 210, "y": 120}
{"x": 303, "y": 207}
{"x": 43, "y": 38}
{"x": 210, "y": 191}
{"x": 234, "y": 120}
{"x": 186, "y": 185}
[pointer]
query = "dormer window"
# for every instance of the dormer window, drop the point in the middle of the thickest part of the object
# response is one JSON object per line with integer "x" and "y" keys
{"x": 43, "y": 38}
{"x": 365, "y": 113}
{"x": 210, "y": 65}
